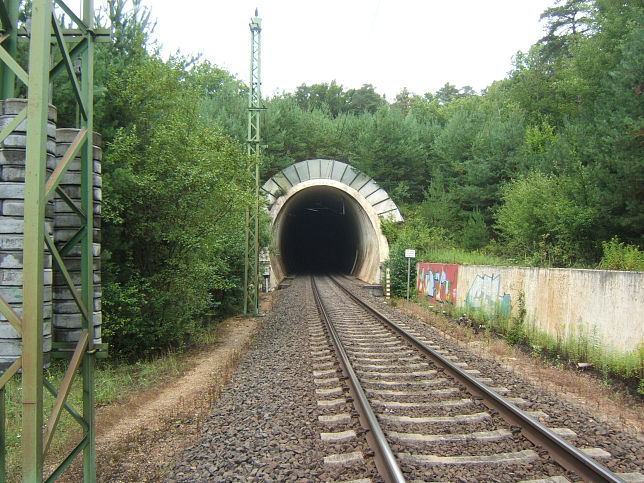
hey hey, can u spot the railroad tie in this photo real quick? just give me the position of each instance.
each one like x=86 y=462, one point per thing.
x=338 y=436
x=517 y=457
x=344 y=458
x=331 y=403
x=341 y=418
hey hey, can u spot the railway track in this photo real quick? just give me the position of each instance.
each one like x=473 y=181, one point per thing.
x=426 y=414
x=289 y=414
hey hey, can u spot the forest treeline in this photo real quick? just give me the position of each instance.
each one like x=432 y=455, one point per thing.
x=544 y=167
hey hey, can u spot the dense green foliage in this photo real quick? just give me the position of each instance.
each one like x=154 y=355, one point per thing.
x=175 y=187
x=544 y=167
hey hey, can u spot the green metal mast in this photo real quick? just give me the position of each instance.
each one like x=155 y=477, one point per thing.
x=45 y=29
x=251 y=266
x=8 y=18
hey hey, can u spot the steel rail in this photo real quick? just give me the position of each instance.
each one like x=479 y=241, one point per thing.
x=384 y=455
x=561 y=451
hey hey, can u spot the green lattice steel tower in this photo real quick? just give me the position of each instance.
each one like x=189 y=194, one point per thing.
x=251 y=267
x=45 y=30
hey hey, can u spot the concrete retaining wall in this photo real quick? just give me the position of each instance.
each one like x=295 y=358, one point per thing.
x=606 y=305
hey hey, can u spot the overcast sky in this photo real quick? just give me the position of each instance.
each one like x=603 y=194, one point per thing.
x=391 y=44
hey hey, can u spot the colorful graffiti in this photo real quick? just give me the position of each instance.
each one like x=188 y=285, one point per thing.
x=437 y=281
x=485 y=294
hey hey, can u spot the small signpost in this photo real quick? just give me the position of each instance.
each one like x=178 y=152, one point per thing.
x=409 y=254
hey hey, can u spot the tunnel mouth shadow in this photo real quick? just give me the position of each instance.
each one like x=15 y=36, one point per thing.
x=319 y=233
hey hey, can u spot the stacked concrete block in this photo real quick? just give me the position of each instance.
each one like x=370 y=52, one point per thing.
x=12 y=189
x=67 y=317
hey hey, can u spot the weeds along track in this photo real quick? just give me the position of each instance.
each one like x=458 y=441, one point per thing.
x=430 y=416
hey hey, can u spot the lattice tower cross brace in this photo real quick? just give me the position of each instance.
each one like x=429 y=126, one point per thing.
x=251 y=272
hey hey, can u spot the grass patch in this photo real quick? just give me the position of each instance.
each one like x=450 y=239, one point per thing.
x=566 y=348
x=618 y=256
x=583 y=347
x=464 y=257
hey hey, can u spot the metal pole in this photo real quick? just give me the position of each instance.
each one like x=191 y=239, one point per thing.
x=251 y=264
x=8 y=86
x=33 y=254
x=408 y=270
x=3 y=439
x=256 y=238
x=87 y=243
x=35 y=199
x=246 y=259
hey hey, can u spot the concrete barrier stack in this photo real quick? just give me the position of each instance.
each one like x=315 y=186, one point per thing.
x=61 y=317
x=12 y=190
x=67 y=317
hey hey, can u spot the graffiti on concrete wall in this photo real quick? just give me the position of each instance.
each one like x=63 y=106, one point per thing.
x=485 y=294
x=437 y=281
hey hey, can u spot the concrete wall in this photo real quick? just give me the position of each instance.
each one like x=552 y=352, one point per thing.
x=601 y=303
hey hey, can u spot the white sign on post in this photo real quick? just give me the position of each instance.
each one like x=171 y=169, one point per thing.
x=410 y=253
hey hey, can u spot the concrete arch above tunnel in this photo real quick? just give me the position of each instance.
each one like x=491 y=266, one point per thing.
x=326 y=218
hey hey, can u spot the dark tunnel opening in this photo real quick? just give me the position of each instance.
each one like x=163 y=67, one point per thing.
x=319 y=232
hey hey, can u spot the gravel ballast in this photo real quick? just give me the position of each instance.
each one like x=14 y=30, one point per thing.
x=268 y=423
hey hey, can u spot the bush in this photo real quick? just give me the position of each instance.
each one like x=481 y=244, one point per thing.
x=124 y=305
x=551 y=219
x=475 y=232
x=516 y=331
x=398 y=264
x=415 y=233
x=618 y=256
x=176 y=188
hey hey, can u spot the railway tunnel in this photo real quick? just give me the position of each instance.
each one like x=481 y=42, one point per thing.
x=325 y=217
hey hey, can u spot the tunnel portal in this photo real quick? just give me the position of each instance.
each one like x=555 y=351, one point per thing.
x=326 y=219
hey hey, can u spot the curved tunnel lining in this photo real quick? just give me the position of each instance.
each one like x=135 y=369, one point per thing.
x=323 y=225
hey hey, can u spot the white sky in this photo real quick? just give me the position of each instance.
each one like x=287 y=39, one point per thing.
x=392 y=44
